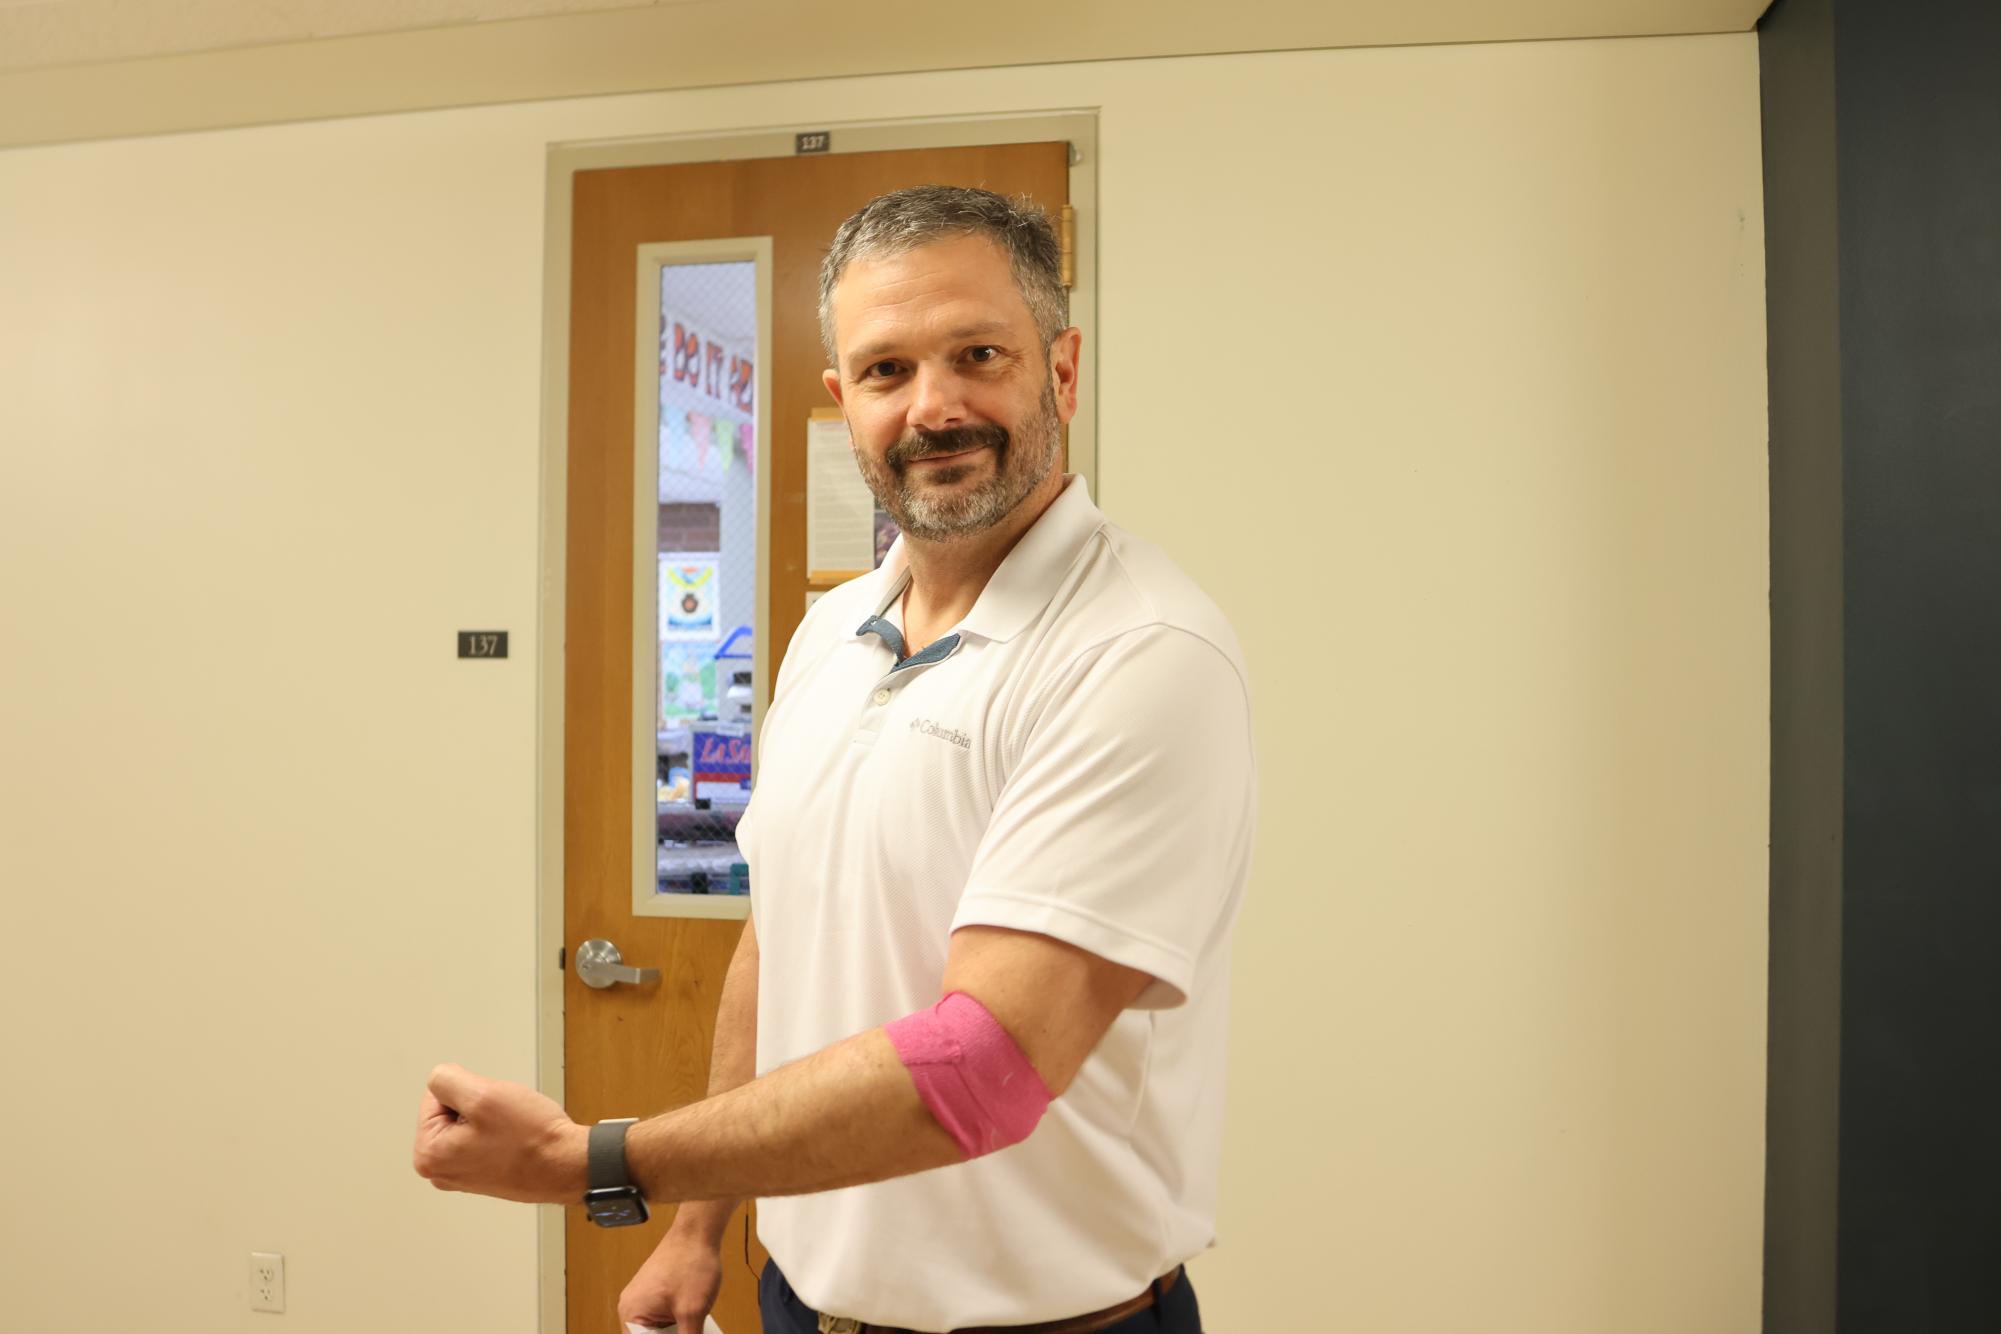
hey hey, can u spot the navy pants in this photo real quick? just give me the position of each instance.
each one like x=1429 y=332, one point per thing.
x=1176 y=1312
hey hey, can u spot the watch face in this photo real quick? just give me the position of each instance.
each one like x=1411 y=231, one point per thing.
x=615 y=1206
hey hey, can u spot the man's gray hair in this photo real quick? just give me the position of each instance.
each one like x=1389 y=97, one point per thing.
x=906 y=219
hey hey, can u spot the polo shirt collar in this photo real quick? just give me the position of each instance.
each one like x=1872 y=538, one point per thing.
x=1026 y=580
x=1030 y=575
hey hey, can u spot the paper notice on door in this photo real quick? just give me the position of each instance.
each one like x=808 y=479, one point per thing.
x=840 y=511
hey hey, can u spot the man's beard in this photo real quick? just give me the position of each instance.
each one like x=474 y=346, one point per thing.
x=1021 y=462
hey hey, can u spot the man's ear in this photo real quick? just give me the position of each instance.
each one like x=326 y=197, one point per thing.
x=832 y=379
x=1064 y=352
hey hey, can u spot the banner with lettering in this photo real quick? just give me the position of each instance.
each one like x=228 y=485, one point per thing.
x=721 y=373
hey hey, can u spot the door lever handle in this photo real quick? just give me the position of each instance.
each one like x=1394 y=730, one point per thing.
x=600 y=965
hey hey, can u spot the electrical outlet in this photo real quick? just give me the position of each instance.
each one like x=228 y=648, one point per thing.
x=267 y=1281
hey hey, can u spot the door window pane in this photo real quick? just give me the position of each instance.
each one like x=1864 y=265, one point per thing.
x=706 y=544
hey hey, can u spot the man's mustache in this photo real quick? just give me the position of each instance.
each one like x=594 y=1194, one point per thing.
x=957 y=440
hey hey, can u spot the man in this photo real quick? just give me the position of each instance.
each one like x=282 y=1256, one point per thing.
x=1010 y=769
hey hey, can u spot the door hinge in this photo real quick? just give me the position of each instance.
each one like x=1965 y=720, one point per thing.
x=562 y=957
x=1066 y=237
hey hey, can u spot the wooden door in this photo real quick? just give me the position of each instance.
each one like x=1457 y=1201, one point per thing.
x=637 y=1051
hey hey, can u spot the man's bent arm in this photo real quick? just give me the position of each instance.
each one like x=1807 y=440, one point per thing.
x=732 y=1063
x=844 y=1116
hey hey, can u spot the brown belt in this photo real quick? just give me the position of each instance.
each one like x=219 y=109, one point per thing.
x=1076 y=1324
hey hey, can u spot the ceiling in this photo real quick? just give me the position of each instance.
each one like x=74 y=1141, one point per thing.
x=39 y=33
x=85 y=69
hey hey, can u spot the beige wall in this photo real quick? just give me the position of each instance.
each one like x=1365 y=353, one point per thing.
x=1441 y=367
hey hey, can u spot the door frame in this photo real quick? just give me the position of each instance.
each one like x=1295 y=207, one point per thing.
x=1079 y=127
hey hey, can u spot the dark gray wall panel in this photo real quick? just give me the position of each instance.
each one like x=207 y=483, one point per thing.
x=1919 y=148
x=1883 y=200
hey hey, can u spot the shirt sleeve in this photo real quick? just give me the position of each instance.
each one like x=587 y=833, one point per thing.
x=1124 y=826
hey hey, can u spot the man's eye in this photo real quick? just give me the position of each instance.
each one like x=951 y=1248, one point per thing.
x=879 y=370
x=982 y=355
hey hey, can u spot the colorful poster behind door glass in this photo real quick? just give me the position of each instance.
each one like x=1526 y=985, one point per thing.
x=721 y=765
x=687 y=683
x=688 y=596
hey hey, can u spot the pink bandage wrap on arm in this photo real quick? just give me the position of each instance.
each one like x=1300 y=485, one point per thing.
x=970 y=1073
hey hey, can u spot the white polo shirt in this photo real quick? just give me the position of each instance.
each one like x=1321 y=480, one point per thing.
x=1073 y=759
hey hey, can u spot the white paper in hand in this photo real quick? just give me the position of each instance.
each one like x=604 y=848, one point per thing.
x=709 y=1326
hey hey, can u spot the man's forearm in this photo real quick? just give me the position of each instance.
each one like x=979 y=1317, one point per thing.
x=844 y=1116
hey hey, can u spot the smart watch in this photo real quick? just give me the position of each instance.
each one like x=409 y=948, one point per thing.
x=612 y=1200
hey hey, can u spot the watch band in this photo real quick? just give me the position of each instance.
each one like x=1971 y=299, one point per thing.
x=605 y=1169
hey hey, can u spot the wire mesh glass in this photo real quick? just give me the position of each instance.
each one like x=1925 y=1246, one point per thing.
x=707 y=548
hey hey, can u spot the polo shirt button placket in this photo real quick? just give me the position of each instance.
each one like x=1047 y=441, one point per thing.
x=882 y=697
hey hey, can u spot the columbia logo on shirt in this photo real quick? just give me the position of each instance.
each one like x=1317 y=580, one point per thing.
x=925 y=727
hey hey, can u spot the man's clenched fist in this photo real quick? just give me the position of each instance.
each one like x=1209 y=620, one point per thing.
x=491 y=1137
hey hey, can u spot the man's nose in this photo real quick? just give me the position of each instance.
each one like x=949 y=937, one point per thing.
x=937 y=402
